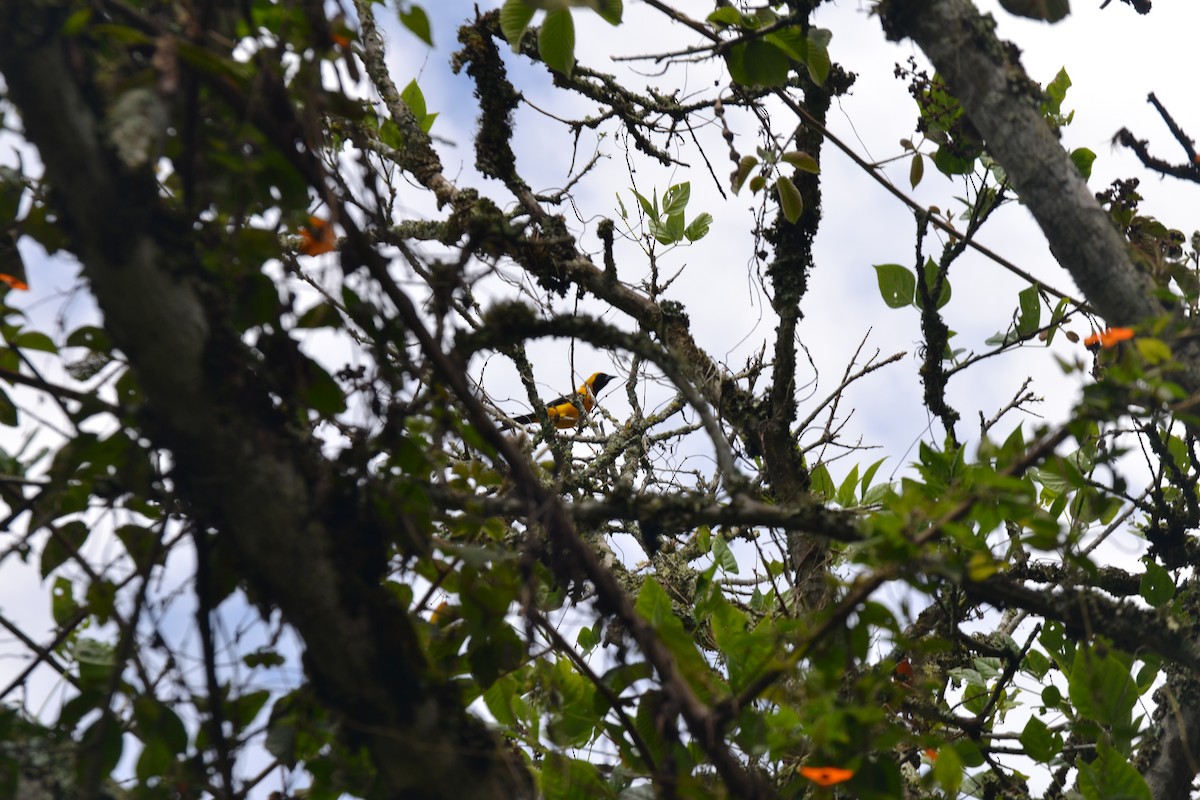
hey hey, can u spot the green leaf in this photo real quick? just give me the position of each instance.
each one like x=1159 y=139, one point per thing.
x=414 y=98
x=123 y=34
x=515 y=16
x=845 y=496
x=1039 y=743
x=669 y=232
x=1148 y=674
x=64 y=542
x=801 y=161
x=648 y=208
x=1083 y=158
x=572 y=723
x=876 y=495
x=241 y=711
x=1030 y=317
x=156 y=720
x=610 y=11
x=821 y=484
x=101 y=599
x=210 y=61
x=818 y=60
x=969 y=752
x=90 y=337
x=34 y=340
x=499 y=699
x=40 y=225
x=948 y=769
x=12 y=187
x=757 y=63
x=564 y=778
x=322 y=315
x=1101 y=687
x=1156 y=586
x=981 y=566
x=744 y=167
x=931 y=271
x=1111 y=776
x=62 y=601
x=1045 y=10
x=723 y=556
x=556 y=41
x=1152 y=350
x=897 y=284
x=77 y=22
x=948 y=163
x=675 y=199
x=320 y=391
x=588 y=638
x=869 y=475
x=154 y=761
x=264 y=657
x=1056 y=92
x=416 y=20
x=724 y=17
x=789 y=199
x=141 y=544
x=8 y=411
x=790 y=40
x=1036 y=664
x=916 y=170
x=99 y=749
x=746 y=651
x=96 y=661
x=389 y=134
x=257 y=301
x=621 y=207
x=698 y=228
x=654 y=606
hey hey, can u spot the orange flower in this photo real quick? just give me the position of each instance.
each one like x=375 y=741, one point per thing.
x=341 y=32
x=827 y=776
x=317 y=237
x=13 y=282
x=1108 y=337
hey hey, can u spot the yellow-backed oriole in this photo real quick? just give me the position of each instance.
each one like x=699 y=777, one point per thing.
x=564 y=411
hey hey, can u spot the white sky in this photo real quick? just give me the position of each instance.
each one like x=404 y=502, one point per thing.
x=1115 y=58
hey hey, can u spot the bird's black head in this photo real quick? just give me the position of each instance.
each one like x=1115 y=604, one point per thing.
x=600 y=381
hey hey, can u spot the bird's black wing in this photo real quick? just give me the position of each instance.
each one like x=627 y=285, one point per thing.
x=525 y=419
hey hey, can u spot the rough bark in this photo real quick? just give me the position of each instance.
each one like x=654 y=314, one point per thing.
x=1173 y=765
x=246 y=472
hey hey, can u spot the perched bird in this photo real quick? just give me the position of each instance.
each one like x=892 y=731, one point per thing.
x=564 y=412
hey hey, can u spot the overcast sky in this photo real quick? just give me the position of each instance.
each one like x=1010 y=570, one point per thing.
x=1114 y=57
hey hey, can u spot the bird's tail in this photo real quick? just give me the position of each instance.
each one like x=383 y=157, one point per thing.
x=512 y=423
